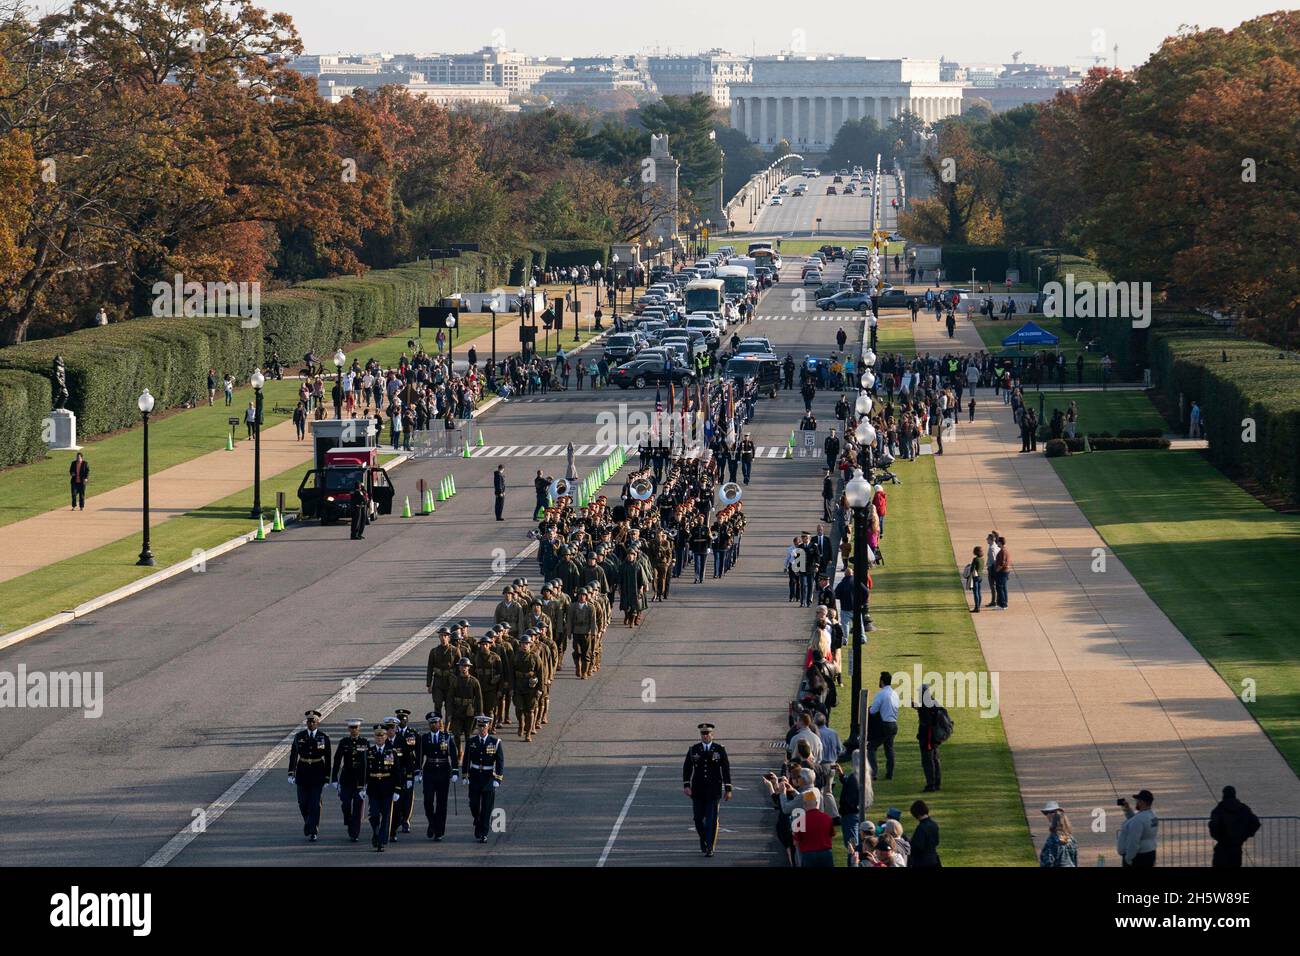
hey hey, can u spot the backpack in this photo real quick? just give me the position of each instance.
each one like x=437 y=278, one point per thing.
x=942 y=725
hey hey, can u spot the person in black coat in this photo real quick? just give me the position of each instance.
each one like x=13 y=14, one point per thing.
x=925 y=839
x=309 y=771
x=1232 y=823
x=78 y=472
x=360 y=511
x=828 y=494
x=706 y=779
x=499 y=490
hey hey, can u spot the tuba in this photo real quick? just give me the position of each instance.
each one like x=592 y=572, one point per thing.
x=559 y=488
x=642 y=489
x=728 y=494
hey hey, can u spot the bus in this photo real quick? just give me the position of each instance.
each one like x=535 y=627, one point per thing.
x=735 y=279
x=760 y=244
x=704 y=295
x=768 y=257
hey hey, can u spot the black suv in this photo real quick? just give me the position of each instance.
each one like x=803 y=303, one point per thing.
x=639 y=373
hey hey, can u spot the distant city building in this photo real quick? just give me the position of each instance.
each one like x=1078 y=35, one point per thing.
x=712 y=73
x=585 y=82
x=506 y=68
x=806 y=99
x=449 y=95
x=1006 y=86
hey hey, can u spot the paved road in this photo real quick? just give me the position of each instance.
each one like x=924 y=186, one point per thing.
x=840 y=215
x=205 y=675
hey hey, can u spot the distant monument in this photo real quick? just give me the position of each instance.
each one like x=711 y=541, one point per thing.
x=661 y=189
x=61 y=430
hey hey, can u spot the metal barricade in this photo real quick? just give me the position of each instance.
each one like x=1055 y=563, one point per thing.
x=1186 y=841
x=440 y=442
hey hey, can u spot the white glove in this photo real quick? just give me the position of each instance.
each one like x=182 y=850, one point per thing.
x=419 y=778
x=363 y=793
x=466 y=781
x=495 y=784
x=410 y=784
x=396 y=797
x=335 y=784
x=292 y=780
x=455 y=778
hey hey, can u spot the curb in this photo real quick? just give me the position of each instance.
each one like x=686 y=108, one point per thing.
x=135 y=587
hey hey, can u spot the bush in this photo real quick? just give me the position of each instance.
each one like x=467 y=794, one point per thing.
x=1140 y=433
x=1126 y=444
x=1256 y=383
x=25 y=400
x=1057 y=448
x=989 y=263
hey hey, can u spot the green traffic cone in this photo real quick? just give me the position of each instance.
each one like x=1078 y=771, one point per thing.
x=261 y=529
x=442 y=490
x=452 y=479
x=466 y=453
x=428 y=495
x=278 y=523
x=406 y=507
x=230 y=442
x=791 y=442
x=789 y=451
x=480 y=438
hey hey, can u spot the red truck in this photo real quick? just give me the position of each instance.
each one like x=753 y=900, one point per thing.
x=326 y=493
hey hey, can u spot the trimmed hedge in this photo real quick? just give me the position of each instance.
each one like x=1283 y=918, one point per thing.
x=573 y=252
x=1258 y=382
x=1056 y=448
x=1100 y=443
x=108 y=367
x=989 y=262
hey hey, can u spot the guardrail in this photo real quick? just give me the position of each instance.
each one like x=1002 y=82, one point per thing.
x=1186 y=841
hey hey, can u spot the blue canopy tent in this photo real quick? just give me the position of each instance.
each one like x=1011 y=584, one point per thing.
x=1031 y=333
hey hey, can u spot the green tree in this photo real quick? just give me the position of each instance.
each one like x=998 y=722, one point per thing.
x=688 y=121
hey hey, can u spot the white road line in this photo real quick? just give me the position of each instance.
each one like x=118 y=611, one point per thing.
x=489 y=450
x=554 y=449
x=618 y=824
x=280 y=751
x=526 y=451
x=581 y=450
x=505 y=452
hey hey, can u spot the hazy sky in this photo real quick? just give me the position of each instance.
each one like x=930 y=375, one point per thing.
x=1047 y=31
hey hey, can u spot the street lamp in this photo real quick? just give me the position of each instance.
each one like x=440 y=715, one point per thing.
x=577 y=309
x=257 y=380
x=857 y=493
x=145 y=404
x=868 y=379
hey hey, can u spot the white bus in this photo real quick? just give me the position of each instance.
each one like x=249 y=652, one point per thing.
x=704 y=295
x=735 y=278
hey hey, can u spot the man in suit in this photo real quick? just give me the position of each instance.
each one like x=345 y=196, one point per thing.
x=499 y=490
x=811 y=560
x=309 y=769
x=925 y=839
x=832 y=449
x=706 y=779
x=78 y=472
x=828 y=494
x=824 y=550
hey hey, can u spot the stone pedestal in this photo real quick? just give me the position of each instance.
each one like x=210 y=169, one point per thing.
x=62 y=434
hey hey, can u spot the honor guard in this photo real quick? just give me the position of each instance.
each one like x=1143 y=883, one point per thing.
x=383 y=772
x=439 y=769
x=706 y=779
x=407 y=741
x=441 y=666
x=309 y=769
x=348 y=776
x=483 y=766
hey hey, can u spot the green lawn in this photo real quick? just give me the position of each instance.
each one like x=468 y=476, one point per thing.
x=62 y=586
x=1217 y=562
x=921 y=615
x=1101 y=411
x=993 y=331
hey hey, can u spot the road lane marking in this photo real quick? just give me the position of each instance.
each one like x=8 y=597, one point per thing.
x=277 y=754
x=622 y=815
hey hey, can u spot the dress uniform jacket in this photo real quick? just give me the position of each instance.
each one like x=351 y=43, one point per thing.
x=349 y=768
x=707 y=772
x=309 y=758
x=439 y=754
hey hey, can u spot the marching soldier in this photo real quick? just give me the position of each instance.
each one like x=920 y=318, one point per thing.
x=349 y=777
x=466 y=701
x=460 y=637
x=529 y=682
x=383 y=771
x=490 y=674
x=661 y=559
x=309 y=769
x=706 y=779
x=439 y=769
x=558 y=608
x=483 y=767
x=504 y=648
x=582 y=623
x=506 y=610
x=407 y=741
x=442 y=664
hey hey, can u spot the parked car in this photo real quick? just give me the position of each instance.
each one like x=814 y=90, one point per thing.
x=620 y=347
x=813 y=278
x=895 y=299
x=846 y=300
x=830 y=288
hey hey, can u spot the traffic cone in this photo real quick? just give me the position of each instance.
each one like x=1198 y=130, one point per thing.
x=230 y=442
x=791 y=442
x=442 y=490
x=480 y=438
x=278 y=523
x=466 y=454
x=425 y=502
x=789 y=451
x=428 y=493
x=261 y=529
x=452 y=479
x=406 y=507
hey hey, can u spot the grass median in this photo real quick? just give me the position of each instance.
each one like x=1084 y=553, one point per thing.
x=1100 y=411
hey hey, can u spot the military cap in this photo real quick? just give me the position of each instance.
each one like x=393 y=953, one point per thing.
x=312 y=715
x=462 y=623
x=508 y=589
x=402 y=712
x=705 y=727
x=433 y=717
x=380 y=727
x=536 y=603
x=390 y=719
x=517 y=581
x=485 y=639
x=525 y=637
x=463 y=662
x=481 y=720
x=354 y=722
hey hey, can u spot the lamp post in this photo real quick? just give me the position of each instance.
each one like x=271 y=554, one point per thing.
x=613 y=280
x=857 y=493
x=600 y=287
x=145 y=404
x=339 y=359
x=577 y=309
x=257 y=380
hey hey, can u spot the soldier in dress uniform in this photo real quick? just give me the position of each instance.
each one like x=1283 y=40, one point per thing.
x=439 y=769
x=348 y=776
x=483 y=767
x=309 y=770
x=383 y=773
x=407 y=740
x=441 y=666
x=706 y=779
x=466 y=701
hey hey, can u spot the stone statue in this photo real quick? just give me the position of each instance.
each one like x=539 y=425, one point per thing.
x=60 y=383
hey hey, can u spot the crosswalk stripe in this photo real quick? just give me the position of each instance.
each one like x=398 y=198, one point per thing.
x=581 y=449
x=505 y=452
x=525 y=451
x=552 y=450
x=480 y=452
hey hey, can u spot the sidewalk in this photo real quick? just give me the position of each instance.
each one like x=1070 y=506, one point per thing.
x=1100 y=694
x=55 y=536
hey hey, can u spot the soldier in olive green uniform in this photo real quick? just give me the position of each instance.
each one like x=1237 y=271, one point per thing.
x=465 y=701
x=529 y=677
x=441 y=667
x=661 y=558
x=490 y=673
x=582 y=624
